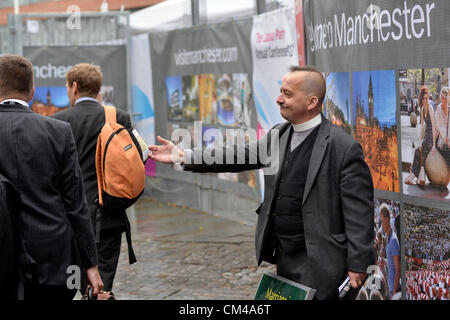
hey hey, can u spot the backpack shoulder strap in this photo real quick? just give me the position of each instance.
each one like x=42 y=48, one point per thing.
x=110 y=114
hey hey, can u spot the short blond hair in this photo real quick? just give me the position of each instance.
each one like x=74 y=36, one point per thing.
x=88 y=77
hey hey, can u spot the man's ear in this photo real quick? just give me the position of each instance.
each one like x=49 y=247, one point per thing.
x=75 y=87
x=32 y=94
x=313 y=102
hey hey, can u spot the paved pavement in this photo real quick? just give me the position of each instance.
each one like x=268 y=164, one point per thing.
x=187 y=254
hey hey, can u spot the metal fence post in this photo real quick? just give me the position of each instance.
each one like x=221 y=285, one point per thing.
x=128 y=50
x=260 y=6
x=195 y=12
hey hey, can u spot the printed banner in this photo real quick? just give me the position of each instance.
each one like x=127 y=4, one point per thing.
x=274 y=50
x=388 y=61
x=52 y=63
x=204 y=76
x=300 y=32
x=142 y=94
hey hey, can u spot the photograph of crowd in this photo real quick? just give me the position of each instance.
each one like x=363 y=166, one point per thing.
x=425 y=132
x=224 y=101
x=427 y=250
x=375 y=125
x=385 y=280
x=242 y=95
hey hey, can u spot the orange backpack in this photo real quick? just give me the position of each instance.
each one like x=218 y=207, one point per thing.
x=119 y=165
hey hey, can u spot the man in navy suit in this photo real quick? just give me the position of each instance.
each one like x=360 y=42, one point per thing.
x=39 y=157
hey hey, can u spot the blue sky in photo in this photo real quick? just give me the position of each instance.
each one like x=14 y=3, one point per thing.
x=58 y=95
x=342 y=91
x=173 y=84
x=384 y=94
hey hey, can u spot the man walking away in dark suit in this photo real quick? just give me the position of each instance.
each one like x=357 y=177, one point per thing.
x=87 y=117
x=38 y=156
x=9 y=244
x=316 y=219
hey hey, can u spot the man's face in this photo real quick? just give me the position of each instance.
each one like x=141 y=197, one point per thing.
x=295 y=105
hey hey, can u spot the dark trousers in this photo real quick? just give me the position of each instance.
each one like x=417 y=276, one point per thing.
x=108 y=251
x=8 y=287
x=108 y=255
x=42 y=292
x=445 y=152
x=420 y=157
x=294 y=266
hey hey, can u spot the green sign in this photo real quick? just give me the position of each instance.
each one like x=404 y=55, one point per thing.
x=273 y=287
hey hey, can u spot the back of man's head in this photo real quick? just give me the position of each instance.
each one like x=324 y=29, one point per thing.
x=88 y=77
x=16 y=77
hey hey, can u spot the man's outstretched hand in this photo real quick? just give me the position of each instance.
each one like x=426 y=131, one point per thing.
x=166 y=153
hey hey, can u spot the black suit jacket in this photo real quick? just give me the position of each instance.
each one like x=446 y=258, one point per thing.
x=9 y=214
x=38 y=155
x=337 y=201
x=86 y=119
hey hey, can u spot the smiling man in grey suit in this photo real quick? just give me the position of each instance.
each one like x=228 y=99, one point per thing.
x=38 y=156
x=316 y=220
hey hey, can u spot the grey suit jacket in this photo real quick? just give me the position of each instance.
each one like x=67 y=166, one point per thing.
x=39 y=157
x=337 y=201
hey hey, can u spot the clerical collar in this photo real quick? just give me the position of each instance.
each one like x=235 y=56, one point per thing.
x=12 y=101
x=314 y=122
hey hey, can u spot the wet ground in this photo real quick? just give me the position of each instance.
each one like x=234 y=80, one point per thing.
x=187 y=254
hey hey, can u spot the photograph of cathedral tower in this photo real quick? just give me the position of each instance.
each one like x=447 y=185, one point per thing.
x=375 y=126
x=49 y=100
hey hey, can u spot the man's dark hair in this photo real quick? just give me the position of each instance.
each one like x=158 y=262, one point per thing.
x=316 y=86
x=16 y=75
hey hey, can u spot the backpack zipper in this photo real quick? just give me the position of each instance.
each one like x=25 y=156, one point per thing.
x=106 y=147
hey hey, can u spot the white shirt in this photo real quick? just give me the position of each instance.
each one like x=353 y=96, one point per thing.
x=25 y=104
x=85 y=99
